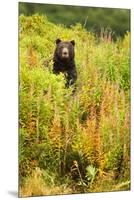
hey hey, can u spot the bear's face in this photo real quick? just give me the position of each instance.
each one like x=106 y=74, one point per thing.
x=64 y=50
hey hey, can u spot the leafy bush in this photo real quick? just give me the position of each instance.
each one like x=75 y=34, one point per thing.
x=57 y=127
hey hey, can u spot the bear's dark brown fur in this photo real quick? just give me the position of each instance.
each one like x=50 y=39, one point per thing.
x=64 y=60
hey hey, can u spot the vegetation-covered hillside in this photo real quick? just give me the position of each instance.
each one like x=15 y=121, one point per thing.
x=92 y=18
x=73 y=143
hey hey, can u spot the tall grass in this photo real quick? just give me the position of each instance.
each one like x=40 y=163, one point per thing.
x=57 y=129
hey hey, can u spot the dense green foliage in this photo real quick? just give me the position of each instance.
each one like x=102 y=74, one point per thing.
x=93 y=19
x=73 y=143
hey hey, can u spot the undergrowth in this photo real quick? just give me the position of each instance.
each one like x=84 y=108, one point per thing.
x=73 y=143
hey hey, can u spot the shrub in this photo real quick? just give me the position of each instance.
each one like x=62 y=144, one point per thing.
x=57 y=128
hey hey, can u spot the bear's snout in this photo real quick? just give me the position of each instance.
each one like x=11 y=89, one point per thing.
x=65 y=53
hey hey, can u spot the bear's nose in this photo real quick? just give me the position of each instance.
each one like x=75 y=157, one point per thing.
x=65 y=53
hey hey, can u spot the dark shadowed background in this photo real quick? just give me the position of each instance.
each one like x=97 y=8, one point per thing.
x=93 y=19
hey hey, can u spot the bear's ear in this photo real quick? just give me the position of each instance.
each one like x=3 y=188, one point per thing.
x=58 y=41
x=72 y=42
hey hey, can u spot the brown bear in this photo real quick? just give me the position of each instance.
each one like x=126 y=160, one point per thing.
x=64 y=60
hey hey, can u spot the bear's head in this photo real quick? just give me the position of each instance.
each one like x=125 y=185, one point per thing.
x=64 y=50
